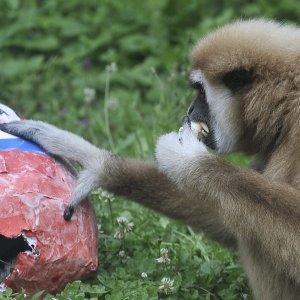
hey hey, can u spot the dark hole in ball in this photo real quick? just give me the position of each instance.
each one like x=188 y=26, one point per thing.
x=9 y=250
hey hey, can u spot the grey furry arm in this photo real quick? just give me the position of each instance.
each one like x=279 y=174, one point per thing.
x=137 y=180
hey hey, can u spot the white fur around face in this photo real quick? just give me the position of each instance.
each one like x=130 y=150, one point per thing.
x=196 y=77
x=176 y=151
x=220 y=102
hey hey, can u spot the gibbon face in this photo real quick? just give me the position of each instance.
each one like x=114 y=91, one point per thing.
x=242 y=75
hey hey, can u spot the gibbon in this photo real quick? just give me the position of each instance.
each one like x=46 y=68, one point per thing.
x=247 y=78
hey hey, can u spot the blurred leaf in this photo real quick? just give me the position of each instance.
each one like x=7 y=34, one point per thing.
x=20 y=67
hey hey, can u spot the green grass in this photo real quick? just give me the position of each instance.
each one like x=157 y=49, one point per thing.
x=133 y=56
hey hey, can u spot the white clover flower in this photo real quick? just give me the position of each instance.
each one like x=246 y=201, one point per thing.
x=129 y=227
x=112 y=68
x=112 y=103
x=164 y=251
x=122 y=254
x=125 y=224
x=2 y=287
x=164 y=259
x=166 y=286
x=120 y=235
x=105 y=196
x=144 y=275
x=89 y=94
x=124 y=227
x=99 y=227
x=122 y=220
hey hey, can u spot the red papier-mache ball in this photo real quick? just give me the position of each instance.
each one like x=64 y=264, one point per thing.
x=39 y=250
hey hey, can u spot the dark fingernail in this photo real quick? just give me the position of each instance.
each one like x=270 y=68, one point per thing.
x=68 y=213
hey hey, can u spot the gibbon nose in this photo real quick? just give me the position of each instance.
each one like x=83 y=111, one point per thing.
x=191 y=108
x=199 y=110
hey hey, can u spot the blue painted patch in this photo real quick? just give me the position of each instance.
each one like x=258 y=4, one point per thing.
x=20 y=144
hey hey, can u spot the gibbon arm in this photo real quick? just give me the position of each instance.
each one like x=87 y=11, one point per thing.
x=137 y=180
x=144 y=183
x=261 y=213
x=264 y=214
x=227 y=202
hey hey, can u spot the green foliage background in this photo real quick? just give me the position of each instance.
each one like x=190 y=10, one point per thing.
x=135 y=55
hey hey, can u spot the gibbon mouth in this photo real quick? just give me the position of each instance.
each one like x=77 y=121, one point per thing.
x=202 y=131
x=199 y=128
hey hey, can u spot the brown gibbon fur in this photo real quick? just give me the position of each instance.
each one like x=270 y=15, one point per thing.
x=247 y=76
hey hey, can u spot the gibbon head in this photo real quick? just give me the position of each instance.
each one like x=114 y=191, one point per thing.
x=247 y=78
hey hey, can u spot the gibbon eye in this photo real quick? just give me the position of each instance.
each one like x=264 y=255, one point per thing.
x=237 y=79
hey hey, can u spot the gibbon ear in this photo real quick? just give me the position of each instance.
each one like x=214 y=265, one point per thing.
x=237 y=79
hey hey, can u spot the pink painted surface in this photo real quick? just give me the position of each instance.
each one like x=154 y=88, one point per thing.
x=34 y=191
